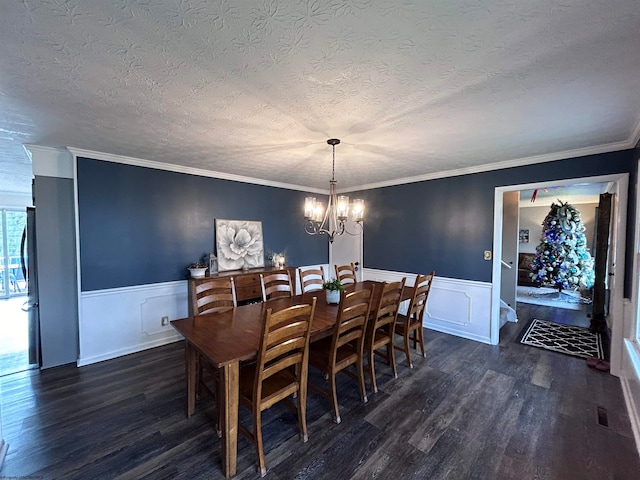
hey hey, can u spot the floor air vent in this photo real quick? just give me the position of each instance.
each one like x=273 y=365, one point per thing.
x=603 y=418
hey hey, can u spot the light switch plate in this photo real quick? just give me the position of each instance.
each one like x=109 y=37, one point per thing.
x=487 y=254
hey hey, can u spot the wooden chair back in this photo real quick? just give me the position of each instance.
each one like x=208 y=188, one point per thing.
x=276 y=285
x=213 y=295
x=411 y=323
x=380 y=332
x=346 y=273
x=345 y=347
x=311 y=279
x=284 y=346
x=280 y=370
x=351 y=324
x=418 y=303
x=387 y=306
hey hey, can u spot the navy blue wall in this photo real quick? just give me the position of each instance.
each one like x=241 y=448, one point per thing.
x=140 y=225
x=446 y=224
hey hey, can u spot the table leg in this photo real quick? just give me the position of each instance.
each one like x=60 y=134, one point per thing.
x=229 y=377
x=190 y=361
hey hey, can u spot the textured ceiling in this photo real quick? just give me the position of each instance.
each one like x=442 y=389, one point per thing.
x=246 y=87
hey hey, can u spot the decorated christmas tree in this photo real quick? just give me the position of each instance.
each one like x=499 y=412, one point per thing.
x=562 y=260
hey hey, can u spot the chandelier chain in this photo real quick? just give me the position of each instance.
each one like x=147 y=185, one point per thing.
x=333 y=172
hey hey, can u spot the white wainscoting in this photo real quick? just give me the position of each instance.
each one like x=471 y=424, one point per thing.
x=120 y=321
x=630 y=371
x=630 y=381
x=457 y=307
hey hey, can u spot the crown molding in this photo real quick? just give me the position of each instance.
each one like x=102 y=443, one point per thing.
x=50 y=161
x=630 y=143
x=548 y=157
x=139 y=162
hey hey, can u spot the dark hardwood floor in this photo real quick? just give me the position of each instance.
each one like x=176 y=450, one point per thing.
x=467 y=411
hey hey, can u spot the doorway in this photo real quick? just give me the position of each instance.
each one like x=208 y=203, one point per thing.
x=14 y=326
x=347 y=248
x=536 y=227
x=618 y=184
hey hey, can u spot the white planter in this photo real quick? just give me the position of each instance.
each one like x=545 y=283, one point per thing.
x=197 y=272
x=333 y=296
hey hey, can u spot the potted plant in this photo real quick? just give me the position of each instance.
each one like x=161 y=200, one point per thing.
x=197 y=269
x=333 y=288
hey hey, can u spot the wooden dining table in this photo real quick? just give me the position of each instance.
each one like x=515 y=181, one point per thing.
x=227 y=338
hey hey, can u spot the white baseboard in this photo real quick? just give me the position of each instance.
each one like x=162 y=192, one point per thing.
x=126 y=351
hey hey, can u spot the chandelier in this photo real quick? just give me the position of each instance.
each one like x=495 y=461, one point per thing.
x=332 y=221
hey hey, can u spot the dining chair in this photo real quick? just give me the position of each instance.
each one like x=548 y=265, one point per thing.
x=412 y=321
x=346 y=273
x=280 y=371
x=275 y=285
x=212 y=295
x=334 y=354
x=380 y=332
x=311 y=279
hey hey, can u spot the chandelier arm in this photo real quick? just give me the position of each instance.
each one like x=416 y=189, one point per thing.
x=359 y=228
x=310 y=227
x=314 y=228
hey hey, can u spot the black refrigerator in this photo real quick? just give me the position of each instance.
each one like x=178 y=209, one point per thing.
x=28 y=256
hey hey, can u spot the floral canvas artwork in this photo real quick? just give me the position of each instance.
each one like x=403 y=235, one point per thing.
x=239 y=244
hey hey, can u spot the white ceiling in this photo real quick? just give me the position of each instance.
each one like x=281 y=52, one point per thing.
x=255 y=88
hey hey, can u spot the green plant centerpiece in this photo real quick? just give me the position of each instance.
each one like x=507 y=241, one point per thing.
x=332 y=290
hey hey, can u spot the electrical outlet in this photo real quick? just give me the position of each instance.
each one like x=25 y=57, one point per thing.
x=164 y=321
x=487 y=254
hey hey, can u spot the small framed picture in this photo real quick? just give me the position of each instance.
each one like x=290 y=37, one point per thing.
x=524 y=236
x=213 y=264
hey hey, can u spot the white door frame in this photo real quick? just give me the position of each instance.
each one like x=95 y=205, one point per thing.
x=620 y=184
x=355 y=243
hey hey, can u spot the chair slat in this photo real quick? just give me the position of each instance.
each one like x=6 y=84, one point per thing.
x=311 y=279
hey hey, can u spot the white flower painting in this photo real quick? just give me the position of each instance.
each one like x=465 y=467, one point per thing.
x=239 y=244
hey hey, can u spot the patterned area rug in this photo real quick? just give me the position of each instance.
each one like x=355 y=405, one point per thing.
x=576 y=341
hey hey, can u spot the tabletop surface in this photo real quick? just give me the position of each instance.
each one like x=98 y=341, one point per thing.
x=234 y=335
